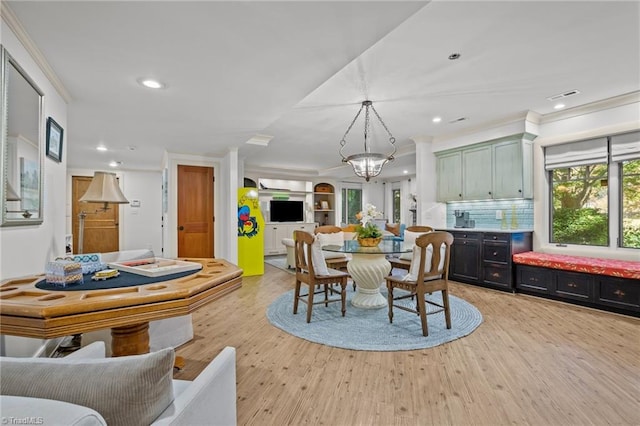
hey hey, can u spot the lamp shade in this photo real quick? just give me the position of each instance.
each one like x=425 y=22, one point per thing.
x=11 y=194
x=104 y=189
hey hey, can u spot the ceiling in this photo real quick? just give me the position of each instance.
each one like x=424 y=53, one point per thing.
x=297 y=72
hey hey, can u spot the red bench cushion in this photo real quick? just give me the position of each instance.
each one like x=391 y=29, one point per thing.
x=589 y=265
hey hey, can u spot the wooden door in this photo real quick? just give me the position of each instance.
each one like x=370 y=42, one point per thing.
x=195 y=211
x=101 y=230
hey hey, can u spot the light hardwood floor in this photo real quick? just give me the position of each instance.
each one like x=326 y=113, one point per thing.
x=531 y=362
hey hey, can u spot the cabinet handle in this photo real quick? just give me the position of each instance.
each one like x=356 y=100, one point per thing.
x=495 y=253
x=495 y=275
x=520 y=190
x=495 y=238
x=180 y=228
x=535 y=280
x=572 y=285
x=489 y=192
x=460 y=195
x=464 y=243
x=619 y=293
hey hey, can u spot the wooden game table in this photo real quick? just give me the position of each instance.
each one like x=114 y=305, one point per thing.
x=28 y=311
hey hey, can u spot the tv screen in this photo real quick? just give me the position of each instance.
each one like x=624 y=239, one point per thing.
x=286 y=211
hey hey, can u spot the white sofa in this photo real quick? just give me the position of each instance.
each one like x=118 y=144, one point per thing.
x=209 y=399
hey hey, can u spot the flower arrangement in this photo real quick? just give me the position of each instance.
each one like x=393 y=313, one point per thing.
x=368 y=229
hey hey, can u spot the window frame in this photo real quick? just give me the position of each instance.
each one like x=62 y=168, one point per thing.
x=396 y=211
x=620 y=203
x=551 y=208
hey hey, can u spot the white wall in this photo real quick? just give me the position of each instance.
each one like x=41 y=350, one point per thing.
x=25 y=250
x=142 y=226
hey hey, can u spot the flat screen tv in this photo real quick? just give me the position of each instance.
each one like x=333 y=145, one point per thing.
x=286 y=211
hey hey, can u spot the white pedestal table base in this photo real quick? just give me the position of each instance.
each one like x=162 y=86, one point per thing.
x=368 y=271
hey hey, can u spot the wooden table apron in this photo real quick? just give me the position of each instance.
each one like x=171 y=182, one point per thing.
x=30 y=312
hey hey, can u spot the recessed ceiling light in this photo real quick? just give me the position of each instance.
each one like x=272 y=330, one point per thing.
x=436 y=119
x=454 y=56
x=151 y=83
x=115 y=163
x=559 y=106
x=101 y=148
x=405 y=171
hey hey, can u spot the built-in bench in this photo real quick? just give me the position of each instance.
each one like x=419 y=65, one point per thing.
x=608 y=284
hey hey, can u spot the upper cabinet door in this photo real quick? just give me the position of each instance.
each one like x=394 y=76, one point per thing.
x=512 y=169
x=477 y=173
x=449 y=177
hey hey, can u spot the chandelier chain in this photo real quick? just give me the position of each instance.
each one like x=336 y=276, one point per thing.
x=343 y=141
x=391 y=138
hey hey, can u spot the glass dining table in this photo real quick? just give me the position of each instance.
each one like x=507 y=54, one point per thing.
x=368 y=267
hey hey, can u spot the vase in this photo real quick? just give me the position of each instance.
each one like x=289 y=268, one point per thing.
x=369 y=242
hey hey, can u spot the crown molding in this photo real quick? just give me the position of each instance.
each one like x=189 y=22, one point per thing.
x=493 y=124
x=614 y=102
x=21 y=33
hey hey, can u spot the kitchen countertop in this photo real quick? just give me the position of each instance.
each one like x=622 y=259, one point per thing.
x=497 y=230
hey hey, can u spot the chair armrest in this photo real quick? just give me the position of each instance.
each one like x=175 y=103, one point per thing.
x=210 y=399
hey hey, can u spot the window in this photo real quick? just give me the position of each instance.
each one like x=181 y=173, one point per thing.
x=395 y=194
x=595 y=191
x=351 y=204
x=630 y=202
x=580 y=200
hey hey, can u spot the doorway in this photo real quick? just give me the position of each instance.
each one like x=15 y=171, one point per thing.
x=101 y=229
x=195 y=211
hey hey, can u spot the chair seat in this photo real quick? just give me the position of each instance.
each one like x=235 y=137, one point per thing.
x=339 y=263
x=400 y=263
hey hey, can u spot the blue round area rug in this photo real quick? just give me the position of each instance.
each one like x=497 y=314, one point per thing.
x=369 y=329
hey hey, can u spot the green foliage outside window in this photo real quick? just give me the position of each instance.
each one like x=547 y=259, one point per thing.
x=580 y=205
x=351 y=204
x=396 y=206
x=631 y=204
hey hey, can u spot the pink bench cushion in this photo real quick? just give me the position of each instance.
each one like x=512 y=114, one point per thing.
x=589 y=265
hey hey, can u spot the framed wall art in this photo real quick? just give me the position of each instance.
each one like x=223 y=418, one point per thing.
x=54 y=140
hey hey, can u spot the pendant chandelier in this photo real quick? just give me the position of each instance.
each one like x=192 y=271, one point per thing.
x=367 y=164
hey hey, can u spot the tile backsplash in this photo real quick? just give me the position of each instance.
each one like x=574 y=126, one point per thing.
x=484 y=213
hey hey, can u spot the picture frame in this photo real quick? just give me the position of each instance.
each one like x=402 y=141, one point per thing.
x=325 y=205
x=55 y=134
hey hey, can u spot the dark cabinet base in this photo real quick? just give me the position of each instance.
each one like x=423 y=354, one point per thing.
x=620 y=295
x=484 y=258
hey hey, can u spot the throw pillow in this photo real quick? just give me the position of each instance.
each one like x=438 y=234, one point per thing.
x=415 y=261
x=125 y=390
x=394 y=228
x=317 y=257
x=409 y=240
x=332 y=239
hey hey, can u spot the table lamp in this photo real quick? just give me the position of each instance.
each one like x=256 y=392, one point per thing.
x=102 y=189
x=13 y=196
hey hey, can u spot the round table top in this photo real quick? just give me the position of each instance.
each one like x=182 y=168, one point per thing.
x=385 y=247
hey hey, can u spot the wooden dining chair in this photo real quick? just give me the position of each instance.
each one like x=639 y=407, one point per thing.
x=318 y=278
x=429 y=273
x=340 y=260
x=402 y=262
